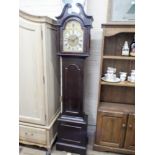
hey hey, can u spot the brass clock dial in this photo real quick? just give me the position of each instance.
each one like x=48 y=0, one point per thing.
x=73 y=37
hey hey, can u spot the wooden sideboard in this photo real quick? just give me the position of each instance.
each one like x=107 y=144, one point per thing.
x=115 y=130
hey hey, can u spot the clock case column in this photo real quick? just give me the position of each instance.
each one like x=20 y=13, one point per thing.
x=72 y=123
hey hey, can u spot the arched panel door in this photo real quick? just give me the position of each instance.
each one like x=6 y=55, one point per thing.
x=72 y=86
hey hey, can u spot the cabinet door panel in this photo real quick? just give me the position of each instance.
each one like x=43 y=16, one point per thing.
x=130 y=134
x=31 y=87
x=111 y=129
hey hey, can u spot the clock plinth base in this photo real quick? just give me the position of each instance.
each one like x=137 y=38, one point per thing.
x=72 y=134
x=71 y=148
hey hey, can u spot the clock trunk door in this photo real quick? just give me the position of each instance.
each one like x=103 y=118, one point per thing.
x=73 y=86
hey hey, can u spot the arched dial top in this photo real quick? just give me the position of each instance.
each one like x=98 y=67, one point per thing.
x=73 y=36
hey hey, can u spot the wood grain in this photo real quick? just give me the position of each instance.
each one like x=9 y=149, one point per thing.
x=118 y=57
x=109 y=128
x=130 y=133
x=121 y=84
x=124 y=95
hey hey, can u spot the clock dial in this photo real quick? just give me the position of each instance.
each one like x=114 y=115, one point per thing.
x=73 y=37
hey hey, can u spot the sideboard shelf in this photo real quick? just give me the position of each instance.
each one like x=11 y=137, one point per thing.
x=121 y=84
x=118 y=57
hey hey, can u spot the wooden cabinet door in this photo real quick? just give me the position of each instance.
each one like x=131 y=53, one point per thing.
x=31 y=86
x=130 y=133
x=111 y=129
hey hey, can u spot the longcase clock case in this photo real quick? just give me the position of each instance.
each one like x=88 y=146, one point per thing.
x=72 y=123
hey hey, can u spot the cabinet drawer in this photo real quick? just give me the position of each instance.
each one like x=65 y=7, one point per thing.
x=33 y=135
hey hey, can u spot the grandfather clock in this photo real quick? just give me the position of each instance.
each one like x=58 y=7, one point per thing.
x=74 y=45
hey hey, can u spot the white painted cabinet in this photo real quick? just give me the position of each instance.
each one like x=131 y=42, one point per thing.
x=39 y=103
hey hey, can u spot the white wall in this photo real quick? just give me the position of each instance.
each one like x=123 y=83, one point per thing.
x=51 y=8
x=98 y=9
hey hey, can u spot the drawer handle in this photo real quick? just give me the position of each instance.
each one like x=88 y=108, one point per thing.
x=123 y=125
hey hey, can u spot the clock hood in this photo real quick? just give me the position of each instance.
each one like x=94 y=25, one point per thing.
x=87 y=20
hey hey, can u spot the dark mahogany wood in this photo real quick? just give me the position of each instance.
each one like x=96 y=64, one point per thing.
x=87 y=20
x=72 y=134
x=72 y=123
x=73 y=86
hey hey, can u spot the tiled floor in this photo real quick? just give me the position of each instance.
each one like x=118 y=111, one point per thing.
x=30 y=151
x=33 y=151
